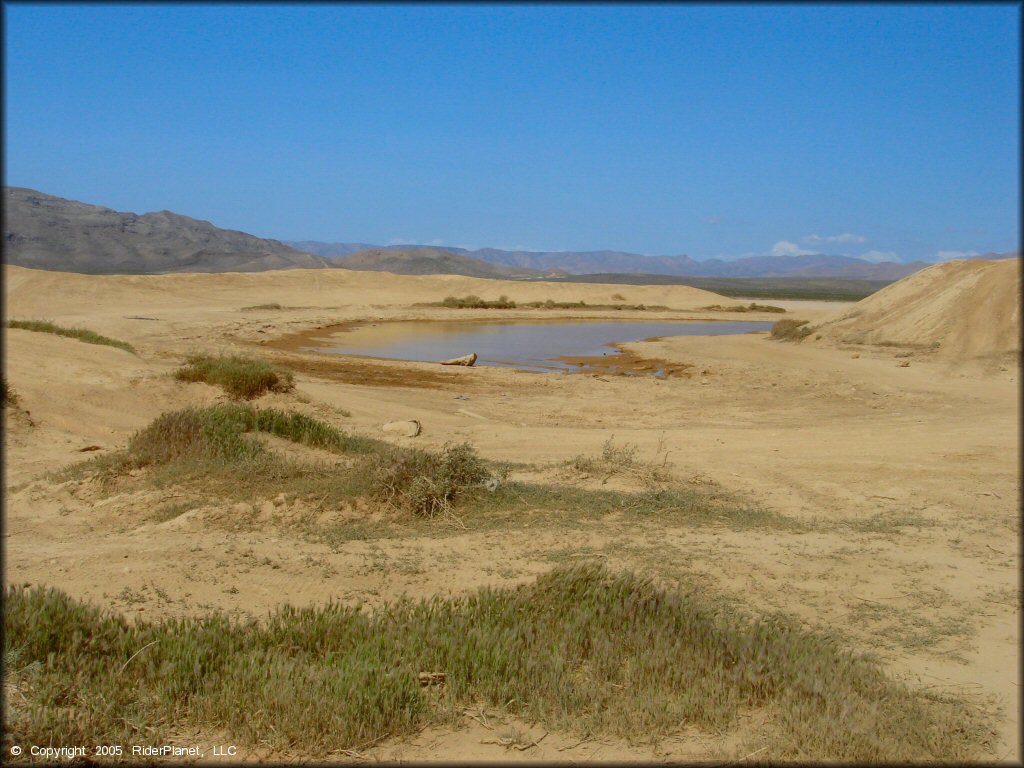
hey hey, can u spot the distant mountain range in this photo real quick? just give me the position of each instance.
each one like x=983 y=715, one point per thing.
x=47 y=232
x=622 y=262
x=431 y=261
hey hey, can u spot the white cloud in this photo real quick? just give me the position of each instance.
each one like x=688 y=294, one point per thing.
x=878 y=257
x=409 y=241
x=846 y=237
x=947 y=255
x=786 y=248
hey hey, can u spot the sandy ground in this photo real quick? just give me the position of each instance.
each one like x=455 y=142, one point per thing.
x=909 y=461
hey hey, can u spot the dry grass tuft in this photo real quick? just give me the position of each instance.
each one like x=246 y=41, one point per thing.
x=426 y=483
x=622 y=460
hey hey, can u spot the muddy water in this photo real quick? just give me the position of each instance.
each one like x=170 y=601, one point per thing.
x=527 y=345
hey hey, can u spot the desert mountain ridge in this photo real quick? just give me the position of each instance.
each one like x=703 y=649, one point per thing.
x=623 y=262
x=47 y=232
x=431 y=261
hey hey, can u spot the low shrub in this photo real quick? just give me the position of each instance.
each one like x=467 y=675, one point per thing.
x=243 y=378
x=790 y=330
x=426 y=483
x=89 y=337
x=254 y=307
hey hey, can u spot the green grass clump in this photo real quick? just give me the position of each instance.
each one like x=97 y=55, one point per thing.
x=10 y=396
x=218 y=433
x=89 y=337
x=243 y=378
x=790 y=330
x=424 y=482
x=580 y=650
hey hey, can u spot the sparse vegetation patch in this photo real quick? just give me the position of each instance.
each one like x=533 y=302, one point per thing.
x=503 y=302
x=243 y=378
x=751 y=307
x=580 y=649
x=271 y=306
x=209 y=450
x=89 y=337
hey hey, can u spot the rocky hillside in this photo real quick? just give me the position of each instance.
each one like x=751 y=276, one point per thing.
x=47 y=232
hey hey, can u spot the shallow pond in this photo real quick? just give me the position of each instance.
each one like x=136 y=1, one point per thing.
x=526 y=344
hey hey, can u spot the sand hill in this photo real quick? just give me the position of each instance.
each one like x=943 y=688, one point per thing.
x=29 y=293
x=963 y=309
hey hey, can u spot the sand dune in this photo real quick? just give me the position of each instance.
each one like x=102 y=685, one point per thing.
x=31 y=292
x=963 y=309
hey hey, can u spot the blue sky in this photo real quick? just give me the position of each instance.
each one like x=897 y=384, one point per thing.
x=882 y=131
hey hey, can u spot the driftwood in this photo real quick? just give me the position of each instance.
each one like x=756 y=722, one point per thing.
x=467 y=360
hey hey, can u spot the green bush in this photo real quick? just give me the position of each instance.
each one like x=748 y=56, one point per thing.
x=243 y=378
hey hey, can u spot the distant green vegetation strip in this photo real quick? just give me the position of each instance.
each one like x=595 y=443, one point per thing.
x=580 y=650
x=751 y=307
x=811 y=288
x=243 y=378
x=503 y=302
x=89 y=337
